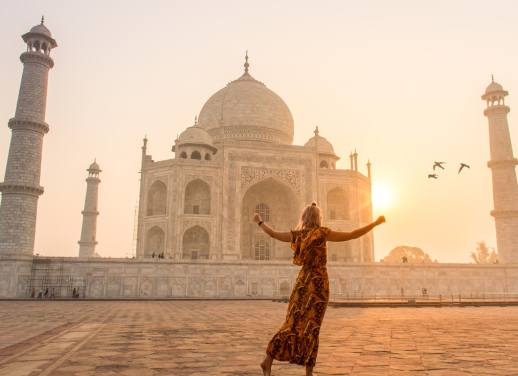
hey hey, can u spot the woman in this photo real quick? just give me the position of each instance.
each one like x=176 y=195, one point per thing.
x=297 y=339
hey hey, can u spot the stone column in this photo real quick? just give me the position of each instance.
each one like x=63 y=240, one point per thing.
x=502 y=165
x=21 y=187
x=89 y=229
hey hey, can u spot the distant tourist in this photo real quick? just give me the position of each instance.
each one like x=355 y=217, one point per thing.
x=74 y=293
x=46 y=294
x=297 y=340
x=153 y=255
x=33 y=292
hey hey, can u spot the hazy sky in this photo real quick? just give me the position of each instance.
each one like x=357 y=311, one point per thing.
x=400 y=81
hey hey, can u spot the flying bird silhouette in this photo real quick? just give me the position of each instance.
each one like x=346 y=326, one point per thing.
x=438 y=164
x=462 y=165
x=432 y=176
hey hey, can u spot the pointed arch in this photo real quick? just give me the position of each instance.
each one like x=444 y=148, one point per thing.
x=197 y=197
x=195 y=243
x=283 y=211
x=337 y=204
x=155 y=242
x=157 y=199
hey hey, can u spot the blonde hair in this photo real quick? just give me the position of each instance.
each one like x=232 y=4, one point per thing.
x=311 y=217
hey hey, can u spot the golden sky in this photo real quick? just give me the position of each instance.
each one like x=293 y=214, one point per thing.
x=400 y=81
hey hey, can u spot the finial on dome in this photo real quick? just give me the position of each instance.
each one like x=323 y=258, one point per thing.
x=316 y=131
x=246 y=65
x=492 y=78
x=42 y=19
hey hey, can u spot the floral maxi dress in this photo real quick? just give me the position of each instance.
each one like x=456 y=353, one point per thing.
x=297 y=339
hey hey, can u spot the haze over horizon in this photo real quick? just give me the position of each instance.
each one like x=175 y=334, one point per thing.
x=400 y=82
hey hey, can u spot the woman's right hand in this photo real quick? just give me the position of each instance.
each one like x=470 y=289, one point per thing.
x=380 y=220
x=257 y=218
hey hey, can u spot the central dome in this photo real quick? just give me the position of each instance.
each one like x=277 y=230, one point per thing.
x=246 y=109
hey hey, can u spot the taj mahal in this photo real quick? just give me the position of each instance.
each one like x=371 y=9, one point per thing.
x=195 y=234
x=237 y=159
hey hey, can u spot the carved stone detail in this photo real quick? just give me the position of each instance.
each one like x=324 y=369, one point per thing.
x=252 y=175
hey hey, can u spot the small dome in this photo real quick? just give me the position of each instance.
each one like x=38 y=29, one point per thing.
x=94 y=167
x=324 y=146
x=494 y=87
x=195 y=135
x=41 y=29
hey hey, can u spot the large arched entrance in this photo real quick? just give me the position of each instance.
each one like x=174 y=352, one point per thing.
x=279 y=206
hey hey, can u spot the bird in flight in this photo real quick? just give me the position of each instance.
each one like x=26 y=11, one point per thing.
x=438 y=164
x=462 y=165
x=432 y=176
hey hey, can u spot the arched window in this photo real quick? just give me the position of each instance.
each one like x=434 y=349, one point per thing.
x=195 y=155
x=264 y=211
x=323 y=164
x=197 y=197
x=207 y=157
x=337 y=206
x=195 y=243
x=262 y=249
x=155 y=244
x=183 y=155
x=157 y=198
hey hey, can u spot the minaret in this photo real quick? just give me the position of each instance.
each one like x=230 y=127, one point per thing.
x=502 y=165
x=140 y=225
x=21 y=187
x=88 y=230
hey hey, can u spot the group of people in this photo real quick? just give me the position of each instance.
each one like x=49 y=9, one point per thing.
x=158 y=256
x=50 y=293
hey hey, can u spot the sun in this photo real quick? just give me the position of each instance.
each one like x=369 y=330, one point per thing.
x=383 y=196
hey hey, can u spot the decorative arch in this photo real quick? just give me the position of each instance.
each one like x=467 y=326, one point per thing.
x=195 y=155
x=324 y=164
x=197 y=197
x=183 y=155
x=283 y=207
x=155 y=242
x=195 y=244
x=207 y=157
x=157 y=199
x=337 y=204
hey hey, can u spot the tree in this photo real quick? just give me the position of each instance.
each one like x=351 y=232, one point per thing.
x=407 y=254
x=484 y=255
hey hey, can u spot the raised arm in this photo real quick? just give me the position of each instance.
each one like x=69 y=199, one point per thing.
x=282 y=236
x=339 y=236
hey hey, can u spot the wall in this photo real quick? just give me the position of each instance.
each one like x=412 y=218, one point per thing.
x=132 y=278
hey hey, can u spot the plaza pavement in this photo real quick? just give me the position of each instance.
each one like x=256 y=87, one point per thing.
x=132 y=338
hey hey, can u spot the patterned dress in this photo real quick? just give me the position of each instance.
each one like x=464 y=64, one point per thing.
x=297 y=339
